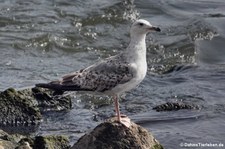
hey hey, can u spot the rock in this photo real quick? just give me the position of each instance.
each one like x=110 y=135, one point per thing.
x=16 y=141
x=49 y=102
x=18 y=108
x=24 y=107
x=7 y=145
x=113 y=135
x=51 y=142
x=8 y=141
x=174 y=106
x=24 y=145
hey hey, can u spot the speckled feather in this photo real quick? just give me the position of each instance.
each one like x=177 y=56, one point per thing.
x=99 y=77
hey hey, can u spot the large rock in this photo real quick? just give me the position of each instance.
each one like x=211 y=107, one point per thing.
x=113 y=135
x=18 y=108
x=47 y=101
x=174 y=106
x=8 y=141
x=16 y=141
x=24 y=107
x=51 y=142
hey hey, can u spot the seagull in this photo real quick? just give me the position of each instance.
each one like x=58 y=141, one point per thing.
x=114 y=75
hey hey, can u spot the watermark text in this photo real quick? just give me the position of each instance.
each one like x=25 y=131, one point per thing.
x=199 y=144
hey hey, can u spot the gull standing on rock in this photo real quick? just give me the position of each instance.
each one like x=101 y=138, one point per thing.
x=114 y=75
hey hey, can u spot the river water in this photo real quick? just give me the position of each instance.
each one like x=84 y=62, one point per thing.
x=42 y=40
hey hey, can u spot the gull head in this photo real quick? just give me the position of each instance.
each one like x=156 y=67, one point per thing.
x=142 y=27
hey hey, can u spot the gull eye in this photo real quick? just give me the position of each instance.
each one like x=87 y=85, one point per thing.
x=141 y=24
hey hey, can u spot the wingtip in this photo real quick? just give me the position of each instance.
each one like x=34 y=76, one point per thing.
x=43 y=85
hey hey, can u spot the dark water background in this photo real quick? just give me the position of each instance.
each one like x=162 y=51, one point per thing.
x=42 y=40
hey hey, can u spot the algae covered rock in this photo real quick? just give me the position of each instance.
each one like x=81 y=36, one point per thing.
x=47 y=101
x=24 y=145
x=51 y=142
x=8 y=141
x=16 y=141
x=24 y=107
x=18 y=108
x=113 y=135
x=174 y=106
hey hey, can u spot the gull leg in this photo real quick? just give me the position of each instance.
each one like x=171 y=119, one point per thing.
x=124 y=119
x=116 y=103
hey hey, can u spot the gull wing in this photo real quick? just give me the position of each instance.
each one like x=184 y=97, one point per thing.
x=99 y=77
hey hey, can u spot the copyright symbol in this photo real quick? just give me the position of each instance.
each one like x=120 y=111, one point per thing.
x=181 y=144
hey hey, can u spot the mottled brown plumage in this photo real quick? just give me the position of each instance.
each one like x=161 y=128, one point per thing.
x=114 y=75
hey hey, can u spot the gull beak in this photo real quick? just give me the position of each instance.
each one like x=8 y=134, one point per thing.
x=154 y=28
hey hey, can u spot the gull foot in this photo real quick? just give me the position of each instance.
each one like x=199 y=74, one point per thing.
x=125 y=121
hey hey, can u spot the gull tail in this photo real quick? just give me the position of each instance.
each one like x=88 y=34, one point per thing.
x=58 y=89
x=48 y=85
x=55 y=85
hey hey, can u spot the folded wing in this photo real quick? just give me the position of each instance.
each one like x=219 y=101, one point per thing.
x=99 y=77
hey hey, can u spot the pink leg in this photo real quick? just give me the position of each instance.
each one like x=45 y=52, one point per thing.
x=117 y=107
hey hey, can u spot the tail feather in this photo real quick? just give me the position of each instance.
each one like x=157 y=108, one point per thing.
x=54 y=87
x=61 y=87
x=48 y=85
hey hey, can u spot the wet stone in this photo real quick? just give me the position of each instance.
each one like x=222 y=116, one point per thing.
x=174 y=106
x=24 y=107
x=18 y=107
x=16 y=141
x=113 y=135
x=47 y=101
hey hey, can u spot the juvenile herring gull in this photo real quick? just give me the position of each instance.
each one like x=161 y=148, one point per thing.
x=114 y=75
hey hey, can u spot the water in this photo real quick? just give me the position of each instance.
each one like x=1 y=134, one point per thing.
x=42 y=40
